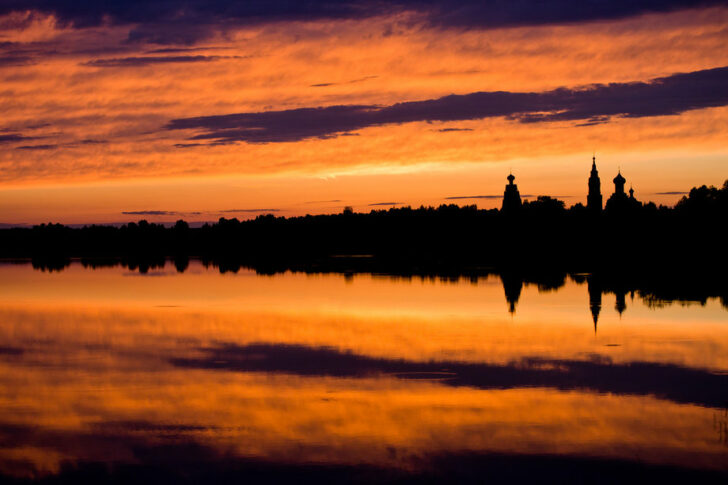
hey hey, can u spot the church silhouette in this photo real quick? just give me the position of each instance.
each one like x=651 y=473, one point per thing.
x=618 y=202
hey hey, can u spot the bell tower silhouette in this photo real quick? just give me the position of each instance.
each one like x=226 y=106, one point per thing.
x=594 y=199
x=511 y=197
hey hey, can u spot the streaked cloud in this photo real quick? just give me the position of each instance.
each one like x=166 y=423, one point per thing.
x=448 y=130
x=36 y=147
x=194 y=213
x=249 y=210
x=353 y=81
x=150 y=60
x=662 y=96
x=151 y=213
x=459 y=197
x=15 y=60
x=179 y=50
x=14 y=137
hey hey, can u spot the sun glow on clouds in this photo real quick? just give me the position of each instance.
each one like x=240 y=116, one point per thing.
x=86 y=105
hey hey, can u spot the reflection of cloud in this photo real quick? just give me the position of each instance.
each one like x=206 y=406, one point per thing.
x=109 y=450
x=663 y=96
x=447 y=130
x=668 y=381
x=671 y=193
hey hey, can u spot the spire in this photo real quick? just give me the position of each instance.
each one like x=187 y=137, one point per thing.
x=594 y=198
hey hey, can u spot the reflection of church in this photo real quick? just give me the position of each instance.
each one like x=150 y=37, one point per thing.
x=513 y=284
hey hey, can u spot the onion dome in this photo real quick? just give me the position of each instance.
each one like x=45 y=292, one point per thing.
x=619 y=179
x=511 y=178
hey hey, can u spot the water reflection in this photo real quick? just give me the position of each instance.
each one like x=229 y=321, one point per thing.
x=332 y=377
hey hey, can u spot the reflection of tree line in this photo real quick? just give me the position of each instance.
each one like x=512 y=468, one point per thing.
x=653 y=289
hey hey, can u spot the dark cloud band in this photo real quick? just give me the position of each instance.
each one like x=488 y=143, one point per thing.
x=186 y=21
x=670 y=95
x=150 y=60
x=195 y=213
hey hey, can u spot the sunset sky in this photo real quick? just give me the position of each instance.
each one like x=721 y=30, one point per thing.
x=123 y=110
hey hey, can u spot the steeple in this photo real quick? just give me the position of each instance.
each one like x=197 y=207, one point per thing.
x=594 y=198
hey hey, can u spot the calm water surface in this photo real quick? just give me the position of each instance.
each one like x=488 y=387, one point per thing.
x=120 y=369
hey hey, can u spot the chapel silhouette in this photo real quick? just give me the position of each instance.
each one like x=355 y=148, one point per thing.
x=618 y=202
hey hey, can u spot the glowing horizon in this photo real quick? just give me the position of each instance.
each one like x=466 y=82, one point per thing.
x=113 y=116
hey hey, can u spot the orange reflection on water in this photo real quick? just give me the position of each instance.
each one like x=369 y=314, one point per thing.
x=372 y=315
x=95 y=364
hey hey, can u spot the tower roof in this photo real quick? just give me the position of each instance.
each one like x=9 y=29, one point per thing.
x=511 y=178
x=619 y=178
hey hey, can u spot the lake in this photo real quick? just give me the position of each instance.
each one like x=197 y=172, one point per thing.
x=112 y=374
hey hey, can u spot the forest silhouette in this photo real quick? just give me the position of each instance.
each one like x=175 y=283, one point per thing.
x=667 y=252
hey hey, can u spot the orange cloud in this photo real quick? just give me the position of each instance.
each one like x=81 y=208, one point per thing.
x=90 y=125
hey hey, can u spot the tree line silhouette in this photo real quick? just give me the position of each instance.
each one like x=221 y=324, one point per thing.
x=542 y=236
